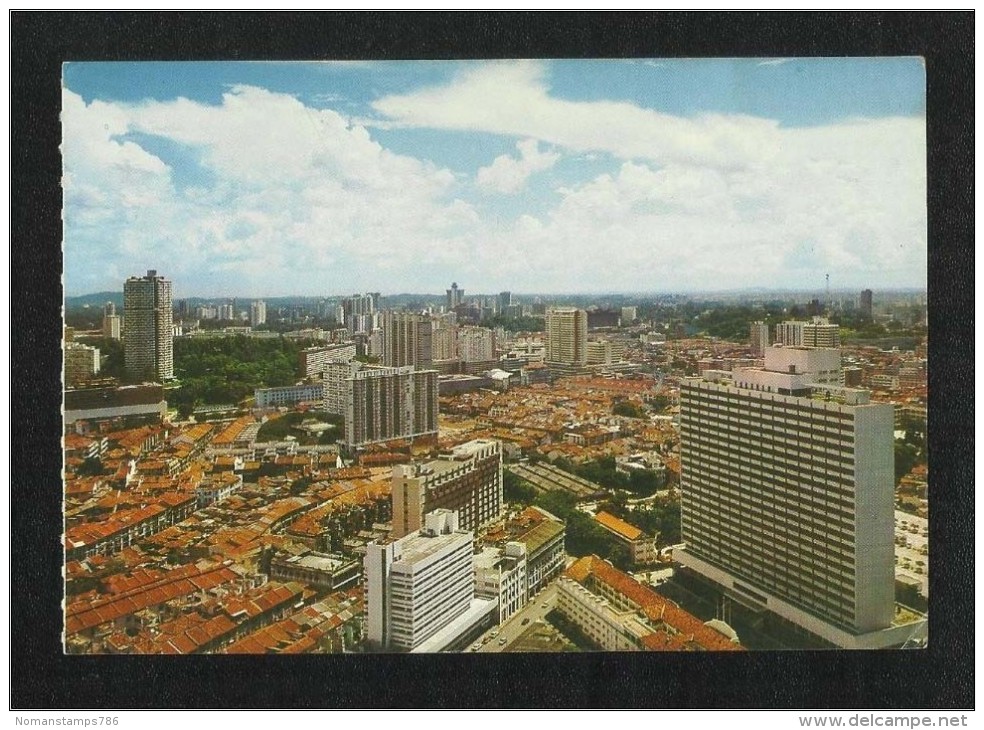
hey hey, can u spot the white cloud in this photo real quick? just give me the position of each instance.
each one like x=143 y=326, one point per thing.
x=512 y=98
x=291 y=199
x=288 y=193
x=509 y=175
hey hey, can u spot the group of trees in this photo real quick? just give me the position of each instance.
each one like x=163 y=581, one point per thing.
x=583 y=535
x=910 y=450
x=215 y=371
x=603 y=472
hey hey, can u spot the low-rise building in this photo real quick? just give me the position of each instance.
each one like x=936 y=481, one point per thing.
x=642 y=547
x=289 y=395
x=500 y=574
x=618 y=613
x=320 y=570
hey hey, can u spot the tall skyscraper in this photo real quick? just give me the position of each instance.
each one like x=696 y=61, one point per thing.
x=866 y=304
x=567 y=336
x=505 y=300
x=407 y=340
x=468 y=481
x=758 y=337
x=419 y=584
x=148 y=342
x=111 y=328
x=787 y=499
x=257 y=313
x=455 y=296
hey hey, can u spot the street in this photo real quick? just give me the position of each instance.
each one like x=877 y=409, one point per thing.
x=538 y=607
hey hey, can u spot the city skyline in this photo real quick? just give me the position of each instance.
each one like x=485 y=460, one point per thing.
x=527 y=176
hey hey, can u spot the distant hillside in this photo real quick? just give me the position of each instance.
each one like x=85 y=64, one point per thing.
x=95 y=300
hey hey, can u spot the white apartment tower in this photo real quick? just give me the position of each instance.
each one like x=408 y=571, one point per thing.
x=418 y=584
x=383 y=403
x=257 y=313
x=407 y=340
x=567 y=336
x=787 y=496
x=148 y=344
x=468 y=481
x=111 y=327
x=758 y=338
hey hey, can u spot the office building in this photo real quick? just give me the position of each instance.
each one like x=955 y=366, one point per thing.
x=629 y=315
x=81 y=363
x=148 y=342
x=455 y=296
x=468 y=481
x=383 y=403
x=758 y=338
x=112 y=326
x=418 y=584
x=407 y=340
x=818 y=332
x=257 y=313
x=505 y=301
x=787 y=496
x=567 y=336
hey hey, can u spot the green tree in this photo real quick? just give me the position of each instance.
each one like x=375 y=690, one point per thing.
x=516 y=489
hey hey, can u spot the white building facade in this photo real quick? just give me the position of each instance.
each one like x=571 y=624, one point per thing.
x=418 y=584
x=787 y=495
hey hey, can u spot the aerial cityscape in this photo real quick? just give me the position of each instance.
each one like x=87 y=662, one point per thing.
x=484 y=357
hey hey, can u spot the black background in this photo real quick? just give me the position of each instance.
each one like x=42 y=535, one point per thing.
x=42 y=677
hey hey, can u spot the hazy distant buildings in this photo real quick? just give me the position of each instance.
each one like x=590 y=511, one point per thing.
x=628 y=315
x=468 y=481
x=361 y=312
x=111 y=325
x=148 y=343
x=758 y=338
x=866 y=305
x=455 y=296
x=567 y=336
x=407 y=340
x=787 y=499
x=505 y=301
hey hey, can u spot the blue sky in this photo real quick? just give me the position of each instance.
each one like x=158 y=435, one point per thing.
x=265 y=179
